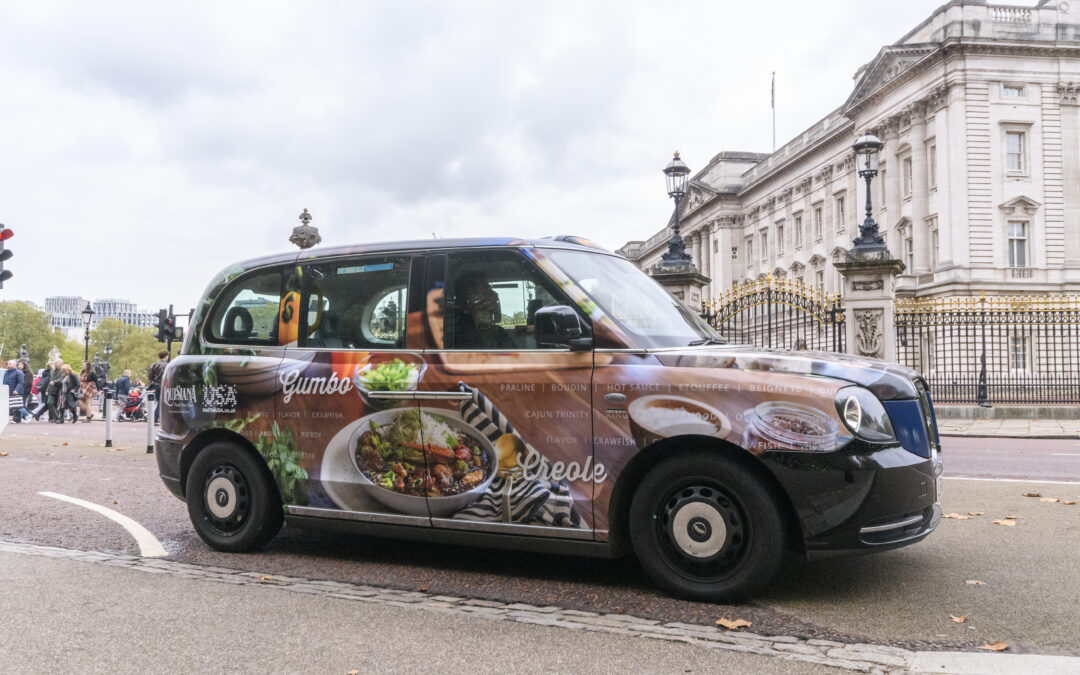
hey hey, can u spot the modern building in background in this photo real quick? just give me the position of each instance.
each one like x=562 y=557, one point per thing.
x=65 y=313
x=979 y=183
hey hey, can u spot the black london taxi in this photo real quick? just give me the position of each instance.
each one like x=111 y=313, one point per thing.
x=541 y=395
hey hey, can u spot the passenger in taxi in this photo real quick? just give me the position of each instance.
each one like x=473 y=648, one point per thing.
x=477 y=313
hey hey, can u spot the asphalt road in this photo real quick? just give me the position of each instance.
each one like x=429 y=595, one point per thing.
x=996 y=457
x=1028 y=598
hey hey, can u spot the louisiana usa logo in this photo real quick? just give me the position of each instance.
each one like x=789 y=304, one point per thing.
x=179 y=396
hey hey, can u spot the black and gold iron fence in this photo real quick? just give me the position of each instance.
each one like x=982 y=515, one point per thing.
x=779 y=314
x=999 y=349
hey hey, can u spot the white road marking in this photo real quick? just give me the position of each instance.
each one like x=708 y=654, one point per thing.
x=1015 y=480
x=149 y=546
x=1065 y=454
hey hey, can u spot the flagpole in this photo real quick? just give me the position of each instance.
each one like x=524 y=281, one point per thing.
x=773 y=97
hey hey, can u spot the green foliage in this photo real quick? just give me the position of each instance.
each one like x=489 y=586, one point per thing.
x=22 y=324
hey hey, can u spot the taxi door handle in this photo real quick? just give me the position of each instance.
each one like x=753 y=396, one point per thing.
x=422 y=395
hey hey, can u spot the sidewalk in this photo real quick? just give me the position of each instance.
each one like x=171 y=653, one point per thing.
x=1010 y=428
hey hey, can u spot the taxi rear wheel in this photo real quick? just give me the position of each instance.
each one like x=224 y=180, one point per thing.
x=705 y=528
x=231 y=499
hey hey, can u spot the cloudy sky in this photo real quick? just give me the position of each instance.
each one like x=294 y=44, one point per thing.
x=147 y=145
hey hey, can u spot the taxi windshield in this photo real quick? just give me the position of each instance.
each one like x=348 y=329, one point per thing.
x=647 y=313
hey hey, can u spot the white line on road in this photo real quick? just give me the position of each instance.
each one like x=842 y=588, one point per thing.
x=1065 y=454
x=149 y=546
x=1015 y=480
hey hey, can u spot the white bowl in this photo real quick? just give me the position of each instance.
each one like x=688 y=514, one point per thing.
x=440 y=507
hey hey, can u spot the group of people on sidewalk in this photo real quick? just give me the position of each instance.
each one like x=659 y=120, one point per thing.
x=58 y=391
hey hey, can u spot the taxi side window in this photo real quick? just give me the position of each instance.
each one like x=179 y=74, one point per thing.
x=246 y=311
x=490 y=300
x=355 y=303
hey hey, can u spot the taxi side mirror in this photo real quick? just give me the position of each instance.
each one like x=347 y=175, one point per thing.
x=560 y=326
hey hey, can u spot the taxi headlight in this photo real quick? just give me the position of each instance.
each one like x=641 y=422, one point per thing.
x=864 y=415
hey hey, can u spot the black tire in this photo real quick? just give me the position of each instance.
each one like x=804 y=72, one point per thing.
x=232 y=501
x=705 y=528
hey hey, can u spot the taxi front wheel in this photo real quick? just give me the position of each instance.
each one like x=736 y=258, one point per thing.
x=231 y=499
x=705 y=528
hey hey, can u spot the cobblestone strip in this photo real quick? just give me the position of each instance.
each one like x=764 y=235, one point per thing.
x=863 y=658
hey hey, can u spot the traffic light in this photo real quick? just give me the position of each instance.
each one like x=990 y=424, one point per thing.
x=5 y=254
x=162 y=325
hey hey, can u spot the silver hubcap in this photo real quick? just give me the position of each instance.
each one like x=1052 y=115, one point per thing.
x=698 y=529
x=221 y=497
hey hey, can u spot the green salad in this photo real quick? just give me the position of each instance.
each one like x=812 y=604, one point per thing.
x=394 y=375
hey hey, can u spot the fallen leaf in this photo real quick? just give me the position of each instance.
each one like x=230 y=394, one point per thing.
x=957 y=516
x=1067 y=502
x=265 y=577
x=976 y=513
x=995 y=646
x=1032 y=494
x=422 y=588
x=733 y=625
x=1010 y=523
x=65 y=443
x=115 y=502
x=353 y=672
x=958 y=619
x=1053 y=500
x=3 y=454
x=1009 y=517
x=974 y=582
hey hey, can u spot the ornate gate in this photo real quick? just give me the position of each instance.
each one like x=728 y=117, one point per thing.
x=778 y=313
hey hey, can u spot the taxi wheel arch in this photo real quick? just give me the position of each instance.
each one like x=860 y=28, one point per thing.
x=233 y=501
x=705 y=527
x=632 y=475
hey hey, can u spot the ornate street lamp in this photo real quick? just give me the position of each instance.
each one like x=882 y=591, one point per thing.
x=676 y=174
x=87 y=314
x=106 y=365
x=866 y=161
x=305 y=235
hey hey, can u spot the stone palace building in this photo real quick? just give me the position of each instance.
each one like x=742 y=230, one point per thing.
x=979 y=183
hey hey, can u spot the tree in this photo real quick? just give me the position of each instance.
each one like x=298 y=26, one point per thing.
x=22 y=324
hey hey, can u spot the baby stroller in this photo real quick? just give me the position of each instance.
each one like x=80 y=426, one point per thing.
x=132 y=409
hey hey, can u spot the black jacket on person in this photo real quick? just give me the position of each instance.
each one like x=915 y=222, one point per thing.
x=123 y=386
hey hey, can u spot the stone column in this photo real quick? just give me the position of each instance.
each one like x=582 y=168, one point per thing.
x=707 y=258
x=1070 y=137
x=919 y=207
x=695 y=249
x=892 y=179
x=869 y=304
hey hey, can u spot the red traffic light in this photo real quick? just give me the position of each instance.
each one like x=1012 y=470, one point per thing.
x=6 y=234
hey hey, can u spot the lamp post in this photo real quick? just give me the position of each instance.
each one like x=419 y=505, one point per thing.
x=87 y=314
x=676 y=173
x=869 y=240
x=106 y=365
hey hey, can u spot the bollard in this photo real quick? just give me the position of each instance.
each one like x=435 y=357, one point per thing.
x=107 y=407
x=150 y=422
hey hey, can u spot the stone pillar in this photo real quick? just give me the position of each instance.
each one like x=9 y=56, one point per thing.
x=707 y=259
x=1070 y=137
x=892 y=178
x=695 y=242
x=683 y=282
x=919 y=207
x=869 y=304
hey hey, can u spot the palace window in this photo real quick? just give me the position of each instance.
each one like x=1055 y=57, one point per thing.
x=934 y=248
x=780 y=237
x=1019 y=352
x=907 y=177
x=909 y=253
x=764 y=245
x=819 y=281
x=840 y=213
x=817 y=223
x=734 y=252
x=931 y=166
x=1015 y=144
x=749 y=251
x=798 y=231
x=1012 y=91
x=1018 y=243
